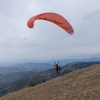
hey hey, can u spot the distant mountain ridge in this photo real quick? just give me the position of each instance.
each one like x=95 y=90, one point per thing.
x=70 y=60
x=24 y=67
x=12 y=72
x=13 y=76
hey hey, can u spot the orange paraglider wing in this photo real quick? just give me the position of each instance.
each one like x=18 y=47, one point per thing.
x=54 y=18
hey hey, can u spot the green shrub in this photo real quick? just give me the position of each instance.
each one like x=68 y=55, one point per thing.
x=31 y=84
x=43 y=81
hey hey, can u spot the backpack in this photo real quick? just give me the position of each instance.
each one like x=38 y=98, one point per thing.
x=59 y=68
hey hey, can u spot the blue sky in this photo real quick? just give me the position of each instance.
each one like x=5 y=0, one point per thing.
x=46 y=41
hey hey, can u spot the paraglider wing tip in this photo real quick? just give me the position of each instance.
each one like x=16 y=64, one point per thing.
x=30 y=25
x=71 y=33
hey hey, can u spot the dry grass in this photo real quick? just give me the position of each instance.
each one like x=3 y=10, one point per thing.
x=79 y=85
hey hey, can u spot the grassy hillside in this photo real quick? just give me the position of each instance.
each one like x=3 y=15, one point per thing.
x=82 y=84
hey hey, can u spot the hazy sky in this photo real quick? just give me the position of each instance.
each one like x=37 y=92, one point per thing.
x=47 y=41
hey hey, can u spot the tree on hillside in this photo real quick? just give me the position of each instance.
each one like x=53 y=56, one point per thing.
x=31 y=84
x=43 y=81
